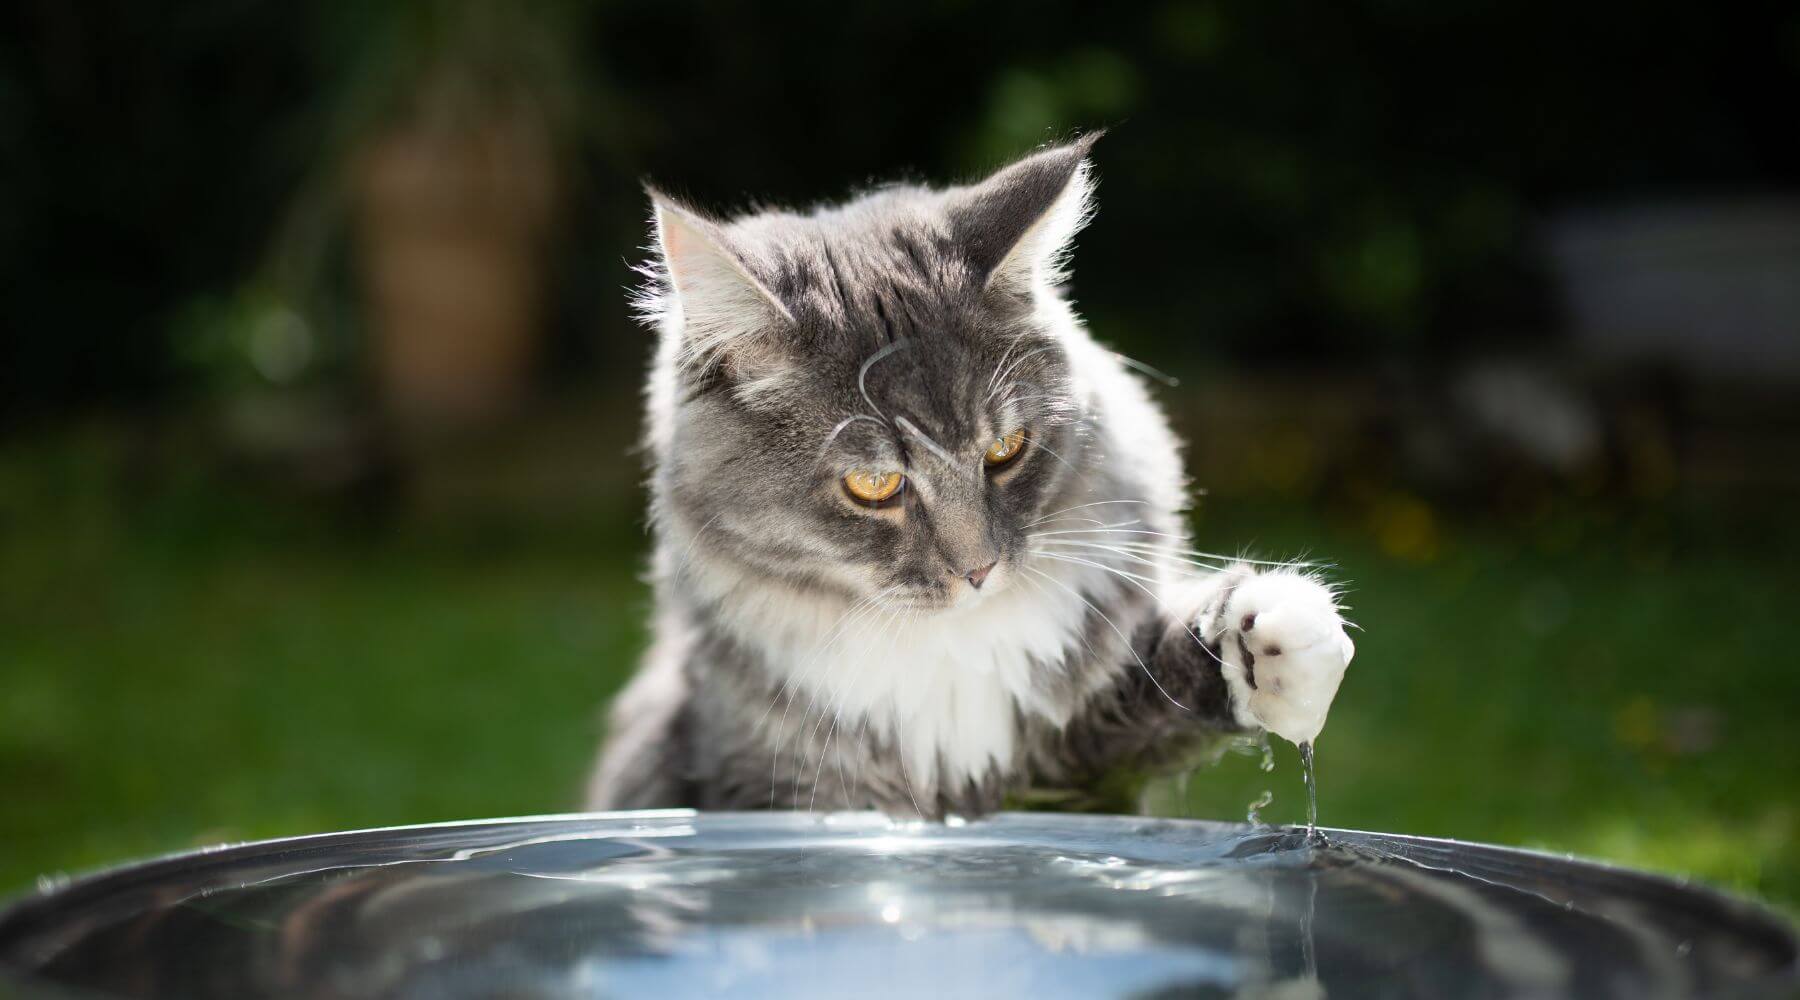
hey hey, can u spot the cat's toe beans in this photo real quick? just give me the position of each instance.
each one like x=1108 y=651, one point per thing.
x=1295 y=649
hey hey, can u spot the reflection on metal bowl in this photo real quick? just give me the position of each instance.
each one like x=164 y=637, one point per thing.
x=786 y=904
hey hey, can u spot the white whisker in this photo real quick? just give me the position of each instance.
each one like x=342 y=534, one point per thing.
x=994 y=378
x=862 y=727
x=687 y=553
x=1104 y=527
x=1122 y=636
x=1283 y=563
x=914 y=430
x=1195 y=554
x=1081 y=506
x=817 y=662
x=1161 y=376
x=837 y=714
x=993 y=384
x=862 y=374
x=1072 y=558
x=1133 y=579
x=1166 y=558
x=839 y=429
x=1058 y=456
x=838 y=629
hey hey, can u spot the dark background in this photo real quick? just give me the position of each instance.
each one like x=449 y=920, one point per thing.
x=317 y=383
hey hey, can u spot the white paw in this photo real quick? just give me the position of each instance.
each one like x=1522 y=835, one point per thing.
x=1284 y=650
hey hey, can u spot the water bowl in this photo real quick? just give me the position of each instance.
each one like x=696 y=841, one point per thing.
x=677 y=903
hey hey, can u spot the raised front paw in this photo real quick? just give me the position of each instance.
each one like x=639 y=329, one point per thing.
x=1284 y=650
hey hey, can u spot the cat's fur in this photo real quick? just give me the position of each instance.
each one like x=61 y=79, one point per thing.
x=812 y=652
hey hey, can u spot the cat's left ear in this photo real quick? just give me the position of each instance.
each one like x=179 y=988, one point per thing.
x=1016 y=228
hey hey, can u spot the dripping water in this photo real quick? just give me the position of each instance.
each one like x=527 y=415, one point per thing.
x=1313 y=836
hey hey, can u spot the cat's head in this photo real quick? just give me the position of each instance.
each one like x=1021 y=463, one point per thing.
x=874 y=399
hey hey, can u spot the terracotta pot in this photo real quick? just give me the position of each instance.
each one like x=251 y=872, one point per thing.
x=451 y=225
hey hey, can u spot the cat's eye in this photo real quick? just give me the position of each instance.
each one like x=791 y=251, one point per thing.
x=873 y=487
x=1005 y=450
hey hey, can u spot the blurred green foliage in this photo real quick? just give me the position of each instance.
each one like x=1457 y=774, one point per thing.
x=1349 y=179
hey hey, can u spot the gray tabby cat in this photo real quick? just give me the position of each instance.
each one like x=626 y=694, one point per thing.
x=919 y=539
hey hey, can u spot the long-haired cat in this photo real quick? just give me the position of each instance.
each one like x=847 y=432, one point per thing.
x=919 y=538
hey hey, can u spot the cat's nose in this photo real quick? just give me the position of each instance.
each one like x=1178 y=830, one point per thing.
x=977 y=576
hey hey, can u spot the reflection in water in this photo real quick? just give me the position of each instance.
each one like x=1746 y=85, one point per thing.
x=793 y=905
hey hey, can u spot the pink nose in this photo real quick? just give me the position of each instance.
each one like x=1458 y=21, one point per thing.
x=977 y=576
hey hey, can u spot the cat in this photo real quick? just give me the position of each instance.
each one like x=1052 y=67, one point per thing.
x=919 y=539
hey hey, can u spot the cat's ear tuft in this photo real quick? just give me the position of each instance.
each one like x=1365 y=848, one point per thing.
x=705 y=290
x=1017 y=227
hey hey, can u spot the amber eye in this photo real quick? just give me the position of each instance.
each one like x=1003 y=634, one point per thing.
x=1005 y=449
x=873 y=487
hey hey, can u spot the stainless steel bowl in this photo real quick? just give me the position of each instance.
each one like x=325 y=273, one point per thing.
x=785 y=904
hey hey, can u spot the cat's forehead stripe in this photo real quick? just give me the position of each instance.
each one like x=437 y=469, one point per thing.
x=887 y=251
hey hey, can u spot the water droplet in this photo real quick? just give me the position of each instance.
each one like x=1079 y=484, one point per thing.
x=1268 y=754
x=1254 y=817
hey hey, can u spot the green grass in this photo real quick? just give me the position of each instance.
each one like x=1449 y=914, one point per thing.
x=190 y=669
x=1617 y=686
x=183 y=663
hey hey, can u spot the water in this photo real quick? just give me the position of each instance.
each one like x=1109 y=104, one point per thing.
x=1254 y=815
x=1312 y=794
x=783 y=904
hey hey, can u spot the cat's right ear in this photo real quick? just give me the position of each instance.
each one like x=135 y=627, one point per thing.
x=710 y=294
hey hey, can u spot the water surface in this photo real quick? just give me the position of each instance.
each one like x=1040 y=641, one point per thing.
x=674 y=903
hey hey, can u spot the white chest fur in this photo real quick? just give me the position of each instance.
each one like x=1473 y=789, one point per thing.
x=946 y=687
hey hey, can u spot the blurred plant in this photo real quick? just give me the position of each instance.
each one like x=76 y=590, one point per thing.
x=404 y=285
x=450 y=139
x=251 y=340
x=1285 y=181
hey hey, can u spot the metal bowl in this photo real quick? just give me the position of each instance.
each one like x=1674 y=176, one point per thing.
x=787 y=904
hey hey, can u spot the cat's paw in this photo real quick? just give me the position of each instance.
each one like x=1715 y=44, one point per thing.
x=1284 y=650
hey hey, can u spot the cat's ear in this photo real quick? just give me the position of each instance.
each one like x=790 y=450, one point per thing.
x=1016 y=227
x=724 y=312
